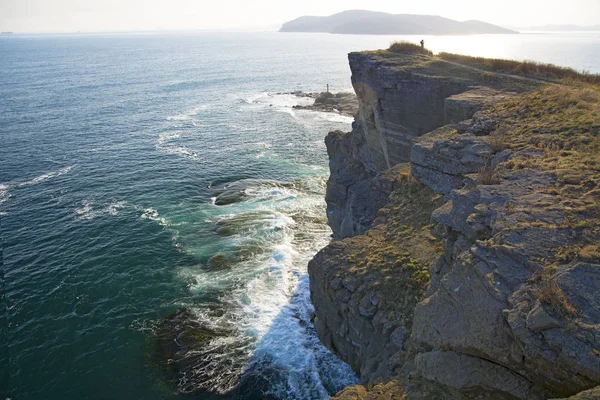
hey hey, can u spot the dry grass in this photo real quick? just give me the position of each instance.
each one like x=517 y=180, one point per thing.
x=543 y=71
x=405 y=47
x=551 y=295
x=395 y=254
x=487 y=175
x=559 y=125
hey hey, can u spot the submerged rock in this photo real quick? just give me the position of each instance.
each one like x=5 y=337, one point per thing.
x=198 y=359
x=238 y=191
x=218 y=262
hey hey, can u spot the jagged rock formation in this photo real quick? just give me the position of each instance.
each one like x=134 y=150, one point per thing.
x=502 y=301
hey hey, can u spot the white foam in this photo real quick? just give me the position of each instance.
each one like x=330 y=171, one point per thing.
x=163 y=143
x=113 y=208
x=85 y=212
x=89 y=210
x=4 y=194
x=188 y=115
x=181 y=151
x=153 y=215
x=38 y=179
x=266 y=299
x=167 y=136
x=333 y=117
x=254 y=98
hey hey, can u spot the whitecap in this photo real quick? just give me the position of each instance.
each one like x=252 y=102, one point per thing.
x=153 y=215
x=333 y=117
x=86 y=211
x=38 y=179
x=163 y=144
x=166 y=136
x=4 y=194
x=113 y=208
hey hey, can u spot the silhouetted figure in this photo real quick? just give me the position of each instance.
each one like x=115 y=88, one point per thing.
x=422 y=44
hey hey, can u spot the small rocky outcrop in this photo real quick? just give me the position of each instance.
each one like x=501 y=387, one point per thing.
x=343 y=103
x=498 y=217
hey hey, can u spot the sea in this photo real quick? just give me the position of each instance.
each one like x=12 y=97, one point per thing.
x=113 y=150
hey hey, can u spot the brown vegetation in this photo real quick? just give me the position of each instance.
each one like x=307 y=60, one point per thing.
x=487 y=175
x=533 y=69
x=405 y=47
x=396 y=253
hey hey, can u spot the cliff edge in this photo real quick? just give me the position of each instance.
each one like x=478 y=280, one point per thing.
x=464 y=204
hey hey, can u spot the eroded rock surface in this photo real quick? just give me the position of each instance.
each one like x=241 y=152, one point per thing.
x=508 y=308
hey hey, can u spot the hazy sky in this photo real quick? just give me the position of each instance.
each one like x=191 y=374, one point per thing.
x=103 y=15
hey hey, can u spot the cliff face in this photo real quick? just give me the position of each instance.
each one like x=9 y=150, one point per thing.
x=469 y=204
x=399 y=101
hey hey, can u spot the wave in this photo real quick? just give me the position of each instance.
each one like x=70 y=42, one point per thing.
x=114 y=208
x=264 y=311
x=153 y=215
x=4 y=194
x=163 y=144
x=5 y=187
x=85 y=212
x=45 y=177
x=181 y=151
x=284 y=103
x=88 y=211
x=190 y=114
x=38 y=179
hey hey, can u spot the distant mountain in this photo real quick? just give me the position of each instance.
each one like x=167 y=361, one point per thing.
x=379 y=23
x=564 y=28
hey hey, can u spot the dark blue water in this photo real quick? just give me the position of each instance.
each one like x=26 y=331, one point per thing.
x=111 y=147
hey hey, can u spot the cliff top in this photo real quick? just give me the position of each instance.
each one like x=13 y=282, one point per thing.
x=497 y=73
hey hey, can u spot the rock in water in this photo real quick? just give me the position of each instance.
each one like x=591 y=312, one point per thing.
x=197 y=359
x=342 y=103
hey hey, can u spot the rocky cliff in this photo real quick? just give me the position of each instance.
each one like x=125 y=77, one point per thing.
x=467 y=202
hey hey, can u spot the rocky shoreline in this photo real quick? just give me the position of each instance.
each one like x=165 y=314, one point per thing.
x=344 y=103
x=464 y=208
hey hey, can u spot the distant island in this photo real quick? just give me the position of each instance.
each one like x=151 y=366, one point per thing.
x=363 y=22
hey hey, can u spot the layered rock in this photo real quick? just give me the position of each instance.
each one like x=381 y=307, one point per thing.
x=399 y=101
x=509 y=306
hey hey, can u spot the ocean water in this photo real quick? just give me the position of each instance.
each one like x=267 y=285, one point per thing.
x=112 y=150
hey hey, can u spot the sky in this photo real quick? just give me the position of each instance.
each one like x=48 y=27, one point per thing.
x=132 y=15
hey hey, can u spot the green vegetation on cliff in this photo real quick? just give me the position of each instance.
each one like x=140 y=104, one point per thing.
x=397 y=251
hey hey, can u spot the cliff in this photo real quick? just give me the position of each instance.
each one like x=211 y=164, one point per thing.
x=465 y=207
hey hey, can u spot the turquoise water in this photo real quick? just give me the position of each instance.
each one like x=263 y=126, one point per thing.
x=112 y=150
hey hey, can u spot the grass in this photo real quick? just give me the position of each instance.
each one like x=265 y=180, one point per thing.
x=533 y=69
x=405 y=47
x=487 y=175
x=396 y=253
x=551 y=295
x=559 y=126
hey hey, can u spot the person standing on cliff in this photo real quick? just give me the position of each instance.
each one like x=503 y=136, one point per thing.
x=422 y=43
